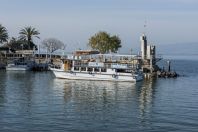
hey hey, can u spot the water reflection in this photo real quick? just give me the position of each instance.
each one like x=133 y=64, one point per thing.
x=21 y=82
x=82 y=103
x=93 y=90
x=2 y=87
x=34 y=101
x=102 y=101
x=19 y=91
x=146 y=98
x=98 y=101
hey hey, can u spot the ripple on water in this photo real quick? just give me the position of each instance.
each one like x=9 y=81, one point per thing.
x=39 y=102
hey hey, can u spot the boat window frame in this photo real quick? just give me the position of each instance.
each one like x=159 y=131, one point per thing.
x=103 y=69
x=96 y=69
x=83 y=69
x=76 y=67
x=89 y=69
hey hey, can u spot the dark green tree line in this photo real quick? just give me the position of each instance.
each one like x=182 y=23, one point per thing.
x=24 y=41
x=3 y=34
x=27 y=34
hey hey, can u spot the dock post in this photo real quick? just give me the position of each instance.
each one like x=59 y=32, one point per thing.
x=151 y=64
x=169 y=67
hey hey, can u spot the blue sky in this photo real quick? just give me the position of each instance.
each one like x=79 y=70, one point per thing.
x=74 y=21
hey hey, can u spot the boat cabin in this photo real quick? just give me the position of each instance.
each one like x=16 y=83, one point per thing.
x=101 y=63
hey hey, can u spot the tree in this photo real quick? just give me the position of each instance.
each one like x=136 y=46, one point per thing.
x=52 y=44
x=27 y=35
x=105 y=43
x=115 y=43
x=17 y=44
x=3 y=34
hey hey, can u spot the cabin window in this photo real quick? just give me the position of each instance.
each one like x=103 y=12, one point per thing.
x=103 y=70
x=77 y=63
x=76 y=68
x=90 y=69
x=121 y=70
x=83 y=68
x=96 y=69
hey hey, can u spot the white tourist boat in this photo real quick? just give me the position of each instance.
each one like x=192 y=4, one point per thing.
x=100 y=67
x=19 y=65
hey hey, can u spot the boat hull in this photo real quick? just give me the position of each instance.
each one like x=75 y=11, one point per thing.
x=18 y=68
x=96 y=76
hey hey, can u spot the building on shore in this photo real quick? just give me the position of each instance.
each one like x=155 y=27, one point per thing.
x=147 y=59
x=148 y=55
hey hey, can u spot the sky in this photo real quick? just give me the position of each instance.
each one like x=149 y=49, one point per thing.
x=75 y=21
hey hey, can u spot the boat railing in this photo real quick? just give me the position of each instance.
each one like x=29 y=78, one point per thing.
x=54 y=66
x=109 y=66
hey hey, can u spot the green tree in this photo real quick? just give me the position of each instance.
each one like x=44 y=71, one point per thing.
x=27 y=35
x=115 y=43
x=3 y=34
x=17 y=44
x=104 y=42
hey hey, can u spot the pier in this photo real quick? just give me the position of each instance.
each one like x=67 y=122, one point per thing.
x=42 y=60
x=149 y=62
x=167 y=73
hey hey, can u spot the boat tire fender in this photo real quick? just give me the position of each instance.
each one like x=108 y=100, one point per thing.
x=114 y=76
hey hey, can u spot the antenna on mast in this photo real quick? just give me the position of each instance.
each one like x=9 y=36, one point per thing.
x=145 y=25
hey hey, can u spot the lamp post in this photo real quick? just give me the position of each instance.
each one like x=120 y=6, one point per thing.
x=22 y=49
x=50 y=52
x=169 y=67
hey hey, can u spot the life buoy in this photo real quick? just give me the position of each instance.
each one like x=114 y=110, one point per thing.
x=114 y=76
x=71 y=72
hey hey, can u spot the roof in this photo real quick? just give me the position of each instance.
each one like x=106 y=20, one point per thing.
x=86 y=52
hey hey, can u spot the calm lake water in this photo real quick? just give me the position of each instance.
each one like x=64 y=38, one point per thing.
x=38 y=102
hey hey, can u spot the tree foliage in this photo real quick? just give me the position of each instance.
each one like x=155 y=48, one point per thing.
x=27 y=35
x=104 y=42
x=19 y=44
x=52 y=44
x=3 y=34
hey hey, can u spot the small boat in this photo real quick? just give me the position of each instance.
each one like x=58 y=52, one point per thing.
x=100 y=67
x=20 y=65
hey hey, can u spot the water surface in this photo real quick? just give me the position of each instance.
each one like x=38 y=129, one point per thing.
x=38 y=102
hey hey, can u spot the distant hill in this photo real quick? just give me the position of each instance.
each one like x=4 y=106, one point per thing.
x=179 y=49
